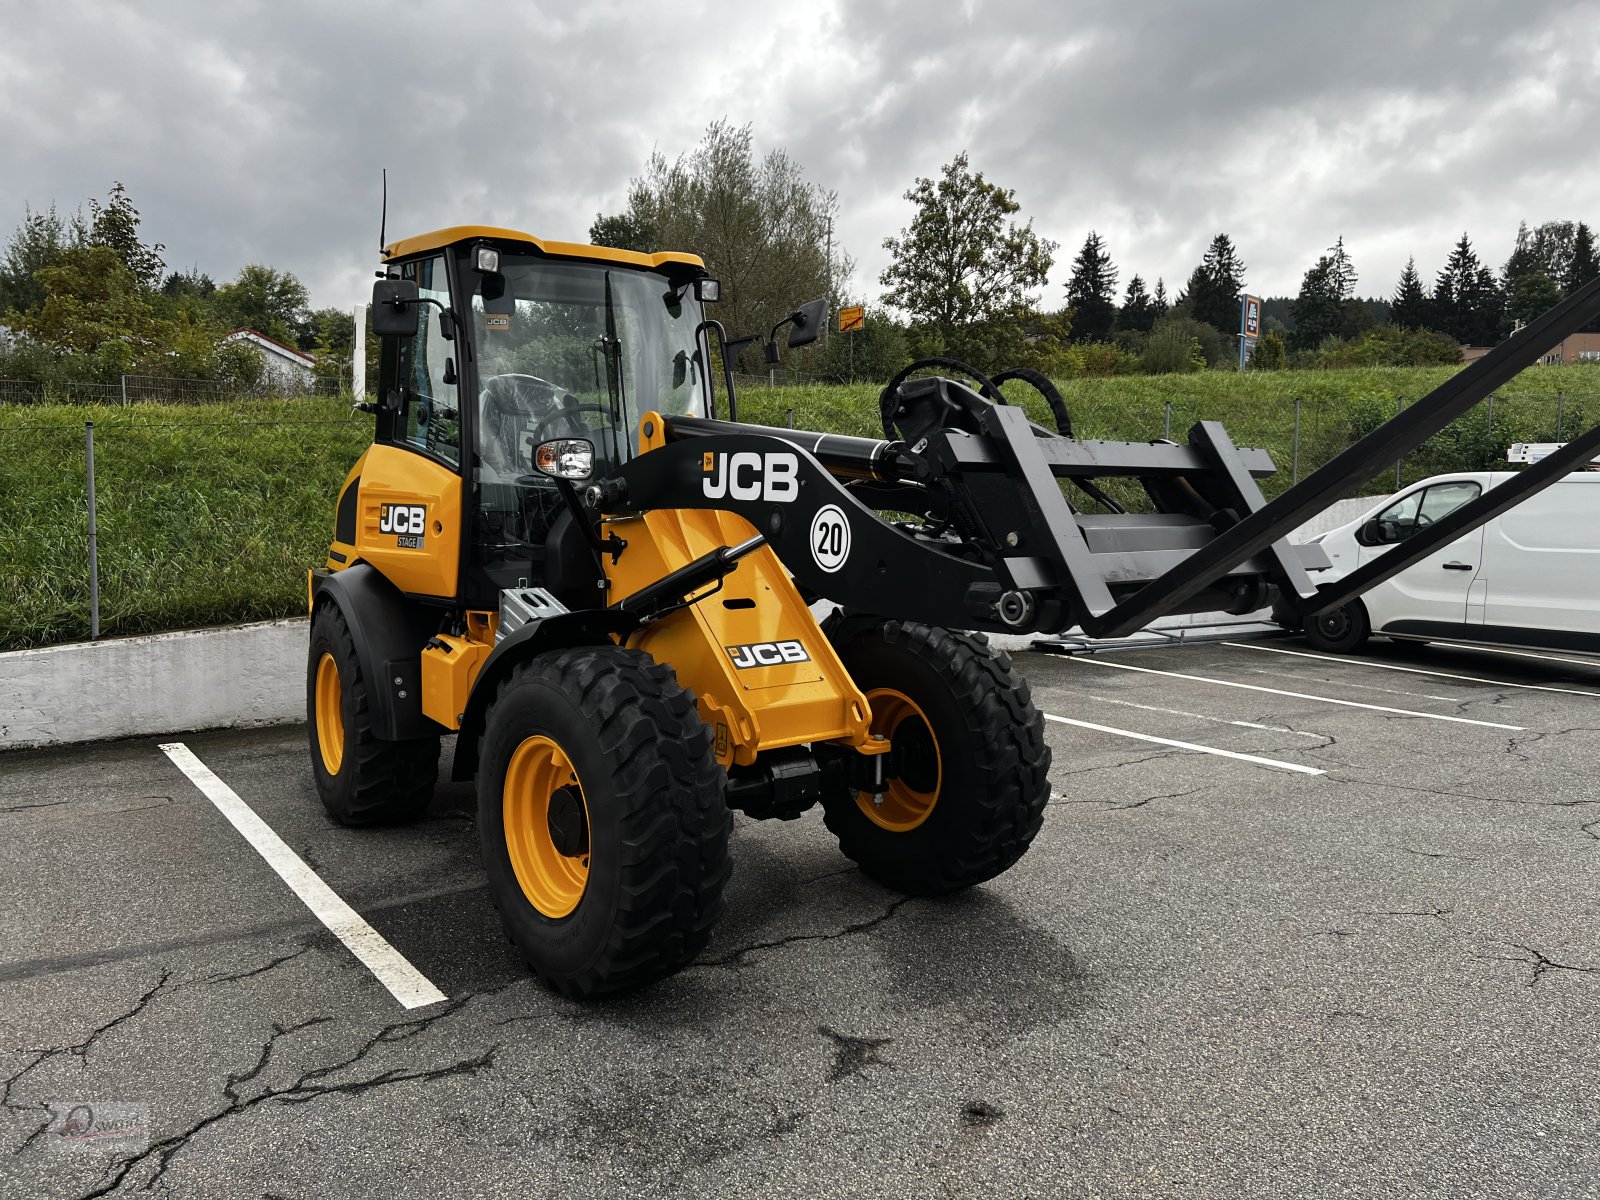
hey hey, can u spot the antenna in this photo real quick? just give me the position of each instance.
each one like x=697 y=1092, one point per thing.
x=383 y=219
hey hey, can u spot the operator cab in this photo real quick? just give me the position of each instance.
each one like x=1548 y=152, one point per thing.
x=519 y=341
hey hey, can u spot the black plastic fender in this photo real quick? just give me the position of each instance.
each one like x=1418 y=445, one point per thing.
x=389 y=632
x=591 y=627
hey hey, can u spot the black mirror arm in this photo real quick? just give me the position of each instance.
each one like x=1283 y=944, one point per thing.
x=704 y=330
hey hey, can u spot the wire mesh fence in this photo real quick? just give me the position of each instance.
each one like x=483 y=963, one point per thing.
x=212 y=514
x=156 y=389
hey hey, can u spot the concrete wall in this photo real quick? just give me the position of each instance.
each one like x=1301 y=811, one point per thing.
x=164 y=683
x=234 y=677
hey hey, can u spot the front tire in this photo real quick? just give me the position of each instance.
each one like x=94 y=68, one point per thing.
x=968 y=769
x=1341 y=630
x=602 y=819
x=361 y=778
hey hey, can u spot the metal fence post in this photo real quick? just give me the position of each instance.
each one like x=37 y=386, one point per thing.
x=124 y=379
x=1399 y=407
x=1166 y=424
x=1489 y=408
x=788 y=414
x=94 y=536
x=1560 y=415
x=1295 y=472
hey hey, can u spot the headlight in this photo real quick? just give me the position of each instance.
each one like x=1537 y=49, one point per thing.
x=565 y=458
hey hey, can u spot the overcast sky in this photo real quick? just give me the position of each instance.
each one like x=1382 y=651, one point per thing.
x=255 y=132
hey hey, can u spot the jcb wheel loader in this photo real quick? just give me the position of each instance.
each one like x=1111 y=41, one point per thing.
x=557 y=550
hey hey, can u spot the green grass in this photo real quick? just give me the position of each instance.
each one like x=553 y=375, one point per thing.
x=210 y=514
x=207 y=514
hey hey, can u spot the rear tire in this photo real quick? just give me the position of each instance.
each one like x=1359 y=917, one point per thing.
x=602 y=819
x=969 y=768
x=1341 y=630
x=361 y=778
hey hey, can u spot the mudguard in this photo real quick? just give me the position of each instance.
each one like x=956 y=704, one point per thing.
x=389 y=632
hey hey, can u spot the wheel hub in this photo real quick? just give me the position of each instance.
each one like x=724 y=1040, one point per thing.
x=569 y=830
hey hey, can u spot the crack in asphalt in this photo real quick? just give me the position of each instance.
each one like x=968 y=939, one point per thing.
x=1541 y=963
x=852 y=1055
x=303 y=1090
x=1434 y=854
x=1437 y=913
x=849 y=930
x=79 y=1050
x=23 y=807
x=261 y=970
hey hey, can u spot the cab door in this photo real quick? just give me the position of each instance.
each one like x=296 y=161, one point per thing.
x=1436 y=589
x=409 y=506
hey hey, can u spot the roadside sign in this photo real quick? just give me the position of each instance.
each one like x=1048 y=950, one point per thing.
x=853 y=318
x=1249 y=328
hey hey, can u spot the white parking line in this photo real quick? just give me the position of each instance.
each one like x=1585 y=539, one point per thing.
x=1362 y=662
x=1577 y=662
x=1252 y=687
x=1178 y=712
x=407 y=984
x=1276 y=763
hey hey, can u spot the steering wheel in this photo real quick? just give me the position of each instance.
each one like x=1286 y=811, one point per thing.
x=568 y=414
x=1423 y=521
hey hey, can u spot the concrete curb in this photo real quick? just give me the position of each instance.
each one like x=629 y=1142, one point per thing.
x=241 y=676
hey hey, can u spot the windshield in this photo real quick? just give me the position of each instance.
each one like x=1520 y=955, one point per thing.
x=582 y=350
x=567 y=350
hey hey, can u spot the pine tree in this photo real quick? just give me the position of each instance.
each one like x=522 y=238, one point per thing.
x=1138 y=309
x=1091 y=292
x=1318 y=310
x=1467 y=301
x=1409 y=308
x=1158 y=302
x=1215 y=286
x=1585 y=264
x=1342 y=271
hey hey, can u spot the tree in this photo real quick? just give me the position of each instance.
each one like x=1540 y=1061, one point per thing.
x=1215 y=286
x=265 y=299
x=763 y=230
x=1531 y=293
x=93 y=305
x=1091 y=292
x=1409 y=309
x=1269 y=355
x=874 y=352
x=962 y=271
x=39 y=242
x=1584 y=265
x=625 y=231
x=1138 y=309
x=1158 y=302
x=1466 y=300
x=115 y=225
x=1341 y=270
x=1318 y=310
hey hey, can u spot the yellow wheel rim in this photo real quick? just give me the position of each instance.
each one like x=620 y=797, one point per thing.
x=911 y=794
x=540 y=780
x=330 y=714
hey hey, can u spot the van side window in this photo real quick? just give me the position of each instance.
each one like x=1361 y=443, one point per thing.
x=1419 y=510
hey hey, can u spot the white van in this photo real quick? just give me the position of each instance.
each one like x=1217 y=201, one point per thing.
x=1530 y=577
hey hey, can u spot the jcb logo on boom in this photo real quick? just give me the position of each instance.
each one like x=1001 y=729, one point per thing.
x=767 y=654
x=403 y=519
x=746 y=475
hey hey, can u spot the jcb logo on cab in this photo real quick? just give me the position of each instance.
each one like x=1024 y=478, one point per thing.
x=746 y=475
x=403 y=519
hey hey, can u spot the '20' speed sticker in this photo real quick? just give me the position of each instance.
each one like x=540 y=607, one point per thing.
x=830 y=538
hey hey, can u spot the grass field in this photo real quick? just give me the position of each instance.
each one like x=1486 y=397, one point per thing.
x=210 y=514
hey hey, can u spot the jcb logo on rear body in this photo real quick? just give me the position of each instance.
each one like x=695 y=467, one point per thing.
x=767 y=654
x=746 y=475
x=402 y=518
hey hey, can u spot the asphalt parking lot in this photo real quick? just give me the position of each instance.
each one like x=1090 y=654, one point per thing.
x=1338 y=934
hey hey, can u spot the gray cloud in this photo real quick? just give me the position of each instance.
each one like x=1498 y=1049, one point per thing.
x=256 y=132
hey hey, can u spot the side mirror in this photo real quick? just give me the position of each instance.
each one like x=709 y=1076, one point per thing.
x=565 y=458
x=1371 y=534
x=805 y=323
x=394 y=308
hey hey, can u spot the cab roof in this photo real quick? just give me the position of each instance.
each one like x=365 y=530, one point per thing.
x=440 y=238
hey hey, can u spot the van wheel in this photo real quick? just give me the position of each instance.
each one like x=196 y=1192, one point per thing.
x=1341 y=630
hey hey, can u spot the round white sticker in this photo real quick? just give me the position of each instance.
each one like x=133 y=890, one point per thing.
x=830 y=538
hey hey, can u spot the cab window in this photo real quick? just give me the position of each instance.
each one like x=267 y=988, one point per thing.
x=1416 y=511
x=430 y=416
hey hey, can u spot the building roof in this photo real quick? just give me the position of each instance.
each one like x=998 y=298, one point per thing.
x=441 y=238
x=272 y=345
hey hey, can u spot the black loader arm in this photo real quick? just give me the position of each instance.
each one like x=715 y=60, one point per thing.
x=833 y=544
